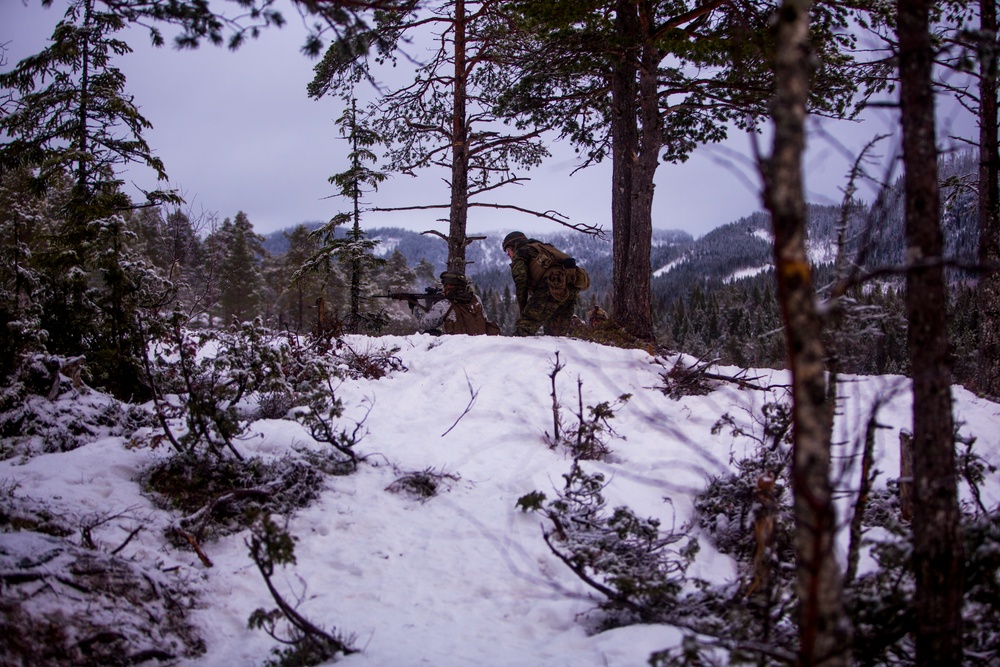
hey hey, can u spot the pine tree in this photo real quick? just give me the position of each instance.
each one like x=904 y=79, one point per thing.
x=446 y=118
x=937 y=544
x=70 y=113
x=129 y=294
x=240 y=275
x=297 y=294
x=649 y=81
x=354 y=252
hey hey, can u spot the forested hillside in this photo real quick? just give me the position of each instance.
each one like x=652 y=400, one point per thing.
x=714 y=296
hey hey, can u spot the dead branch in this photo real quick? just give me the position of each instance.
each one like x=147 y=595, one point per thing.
x=683 y=380
x=473 y=395
x=556 y=367
x=553 y=216
x=205 y=513
x=128 y=539
x=194 y=545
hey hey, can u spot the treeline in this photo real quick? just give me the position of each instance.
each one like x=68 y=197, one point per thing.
x=107 y=295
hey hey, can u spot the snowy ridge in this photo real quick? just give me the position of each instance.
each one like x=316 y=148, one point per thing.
x=670 y=267
x=746 y=273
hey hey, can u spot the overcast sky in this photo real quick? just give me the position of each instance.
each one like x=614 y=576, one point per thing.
x=236 y=131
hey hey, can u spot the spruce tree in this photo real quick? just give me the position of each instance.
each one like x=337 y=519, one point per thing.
x=70 y=113
x=240 y=275
x=296 y=296
x=354 y=252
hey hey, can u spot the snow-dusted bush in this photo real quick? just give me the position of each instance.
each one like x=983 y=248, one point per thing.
x=588 y=439
x=639 y=569
x=218 y=496
x=65 y=606
x=423 y=485
x=45 y=411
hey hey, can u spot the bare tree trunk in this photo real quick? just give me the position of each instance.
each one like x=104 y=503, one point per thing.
x=988 y=365
x=906 y=475
x=459 y=215
x=937 y=547
x=864 y=490
x=824 y=630
x=84 y=111
x=636 y=156
x=625 y=142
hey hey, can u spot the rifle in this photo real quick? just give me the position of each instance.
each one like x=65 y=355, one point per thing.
x=430 y=296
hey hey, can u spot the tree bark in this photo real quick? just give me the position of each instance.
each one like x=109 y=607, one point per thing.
x=937 y=547
x=459 y=211
x=634 y=165
x=824 y=631
x=988 y=365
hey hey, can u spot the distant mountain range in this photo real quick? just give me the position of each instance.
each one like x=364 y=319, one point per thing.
x=740 y=250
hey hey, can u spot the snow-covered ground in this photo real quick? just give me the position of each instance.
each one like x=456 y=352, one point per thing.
x=464 y=577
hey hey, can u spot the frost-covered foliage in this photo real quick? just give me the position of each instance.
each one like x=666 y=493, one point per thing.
x=221 y=496
x=197 y=395
x=729 y=504
x=422 y=485
x=755 y=624
x=747 y=515
x=219 y=382
x=68 y=604
x=589 y=437
x=208 y=386
x=97 y=609
x=638 y=569
x=46 y=411
x=881 y=601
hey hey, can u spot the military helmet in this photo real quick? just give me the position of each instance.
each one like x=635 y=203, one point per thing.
x=452 y=278
x=512 y=238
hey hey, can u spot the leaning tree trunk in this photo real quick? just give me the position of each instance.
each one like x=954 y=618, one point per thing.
x=459 y=212
x=824 y=631
x=988 y=362
x=937 y=547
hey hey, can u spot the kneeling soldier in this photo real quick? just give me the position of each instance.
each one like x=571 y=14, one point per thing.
x=460 y=312
x=547 y=282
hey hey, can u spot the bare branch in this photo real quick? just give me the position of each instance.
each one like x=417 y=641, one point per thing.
x=473 y=395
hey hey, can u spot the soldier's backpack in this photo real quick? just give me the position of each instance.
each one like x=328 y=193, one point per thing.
x=469 y=319
x=557 y=269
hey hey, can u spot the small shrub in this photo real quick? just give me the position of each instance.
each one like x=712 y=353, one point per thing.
x=66 y=606
x=725 y=509
x=373 y=363
x=421 y=485
x=589 y=438
x=221 y=496
x=682 y=380
x=639 y=569
x=35 y=424
x=307 y=644
x=18 y=513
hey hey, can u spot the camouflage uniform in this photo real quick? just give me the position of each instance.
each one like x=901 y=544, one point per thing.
x=460 y=313
x=538 y=307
